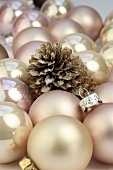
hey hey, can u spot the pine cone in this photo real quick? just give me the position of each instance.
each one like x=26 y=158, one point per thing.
x=56 y=68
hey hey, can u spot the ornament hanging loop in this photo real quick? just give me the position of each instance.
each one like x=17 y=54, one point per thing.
x=81 y=92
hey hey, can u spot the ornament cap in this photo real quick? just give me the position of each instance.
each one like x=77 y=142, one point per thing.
x=27 y=164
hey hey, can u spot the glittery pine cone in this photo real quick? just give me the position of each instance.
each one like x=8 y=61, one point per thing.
x=56 y=68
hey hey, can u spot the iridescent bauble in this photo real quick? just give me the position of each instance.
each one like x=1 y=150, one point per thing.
x=8 y=12
x=95 y=64
x=88 y=18
x=100 y=125
x=106 y=34
x=78 y=42
x=62 y=27
x=15 y=127
x=12 y=68
x=30 y=18
x=25 y=52
x=56 y=102
x=3 y=52
x=15 y=91
x=107 y=53
x=31 y=34
x=56 y=8
x=60 y=143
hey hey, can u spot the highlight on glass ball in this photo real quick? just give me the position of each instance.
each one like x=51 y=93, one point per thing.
x=56 y=8
x=56 y=102
x=106 y=34
x=3 y=52
x=25 y=52
x=78 y=42
x=64 y=143
x=86 y=17
x=30 y=18
x=95 y=64
x=15 y=127
x=107 y=53
x=31 y=34
x=12 y=68
x=65 y=26
x=100 y=125
x=8 y=12
x=15 y=91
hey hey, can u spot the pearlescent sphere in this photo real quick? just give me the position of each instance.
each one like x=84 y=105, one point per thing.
x=107 y=53
x=95 y=65
x=60 y=143
x=106 y=34
x=3 y=52
x=31 y=34
x=100 y=125
x=88 y=18
x=78 y=42
x=30 y=18
x=109 y=18
x=104 y=92
x=109 y=77
x=8 y=12
x=56 y=102
x=12 y=68
x=15 y=91
x=56 y=8
x=62 y=27
x=15 y=127
x=25 y=52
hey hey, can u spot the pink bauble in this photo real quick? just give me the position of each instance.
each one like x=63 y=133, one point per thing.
x=62 y=27
x=27 y=50
x=30 y=18
x=31 y=34
x=55 y=102
x=8 y=12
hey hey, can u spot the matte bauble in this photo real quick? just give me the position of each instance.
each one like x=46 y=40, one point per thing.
x=100 y=125
x=55 y=8
x=55 y=102
x=15 y=127
x=60 y=143
x=12 y=68
x=65 y=27
x=8 y=12
x=78 y=42
x=3 y=52
x=15 y=91
x=95 y=64
x=31 y=18
x=88 y=18
x=31 y=34
x=25 y=52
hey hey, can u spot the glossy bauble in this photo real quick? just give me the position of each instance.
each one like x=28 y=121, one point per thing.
x=88 y=18
x=30 y=18
x=55 y=102
x=78 y=42
x=109 y=77
x=15 y=91
x=15 y=127
x=95 y=64
x=31 y=34
x=100 y=125
x=8 y=12
x=60 y=143
x=3 y=52
x=25 y=52
x=109 y=18
x=62 y=27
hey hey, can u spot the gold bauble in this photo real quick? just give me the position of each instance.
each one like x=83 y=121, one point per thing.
x=95 y=65
x=12 y=68
x=60 y=143
x=109 y=18
x=56 y=8
x=106 y=34
x=107 y=53
x=78 y=42
x=15 y=127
